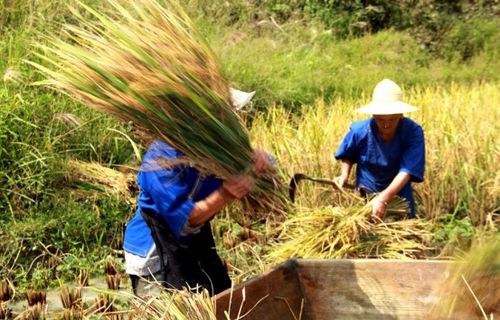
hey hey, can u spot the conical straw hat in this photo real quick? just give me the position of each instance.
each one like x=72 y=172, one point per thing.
x=387 y=99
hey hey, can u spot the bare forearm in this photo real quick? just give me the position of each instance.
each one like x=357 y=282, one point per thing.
x=232 y=188
x=399 y=181
x=345 y=167
x=205 y=209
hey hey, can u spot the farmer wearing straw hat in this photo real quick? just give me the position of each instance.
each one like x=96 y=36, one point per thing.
x=169 y=240
x=388 y=149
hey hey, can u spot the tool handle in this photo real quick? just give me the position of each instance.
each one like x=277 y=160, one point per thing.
x=301 y=176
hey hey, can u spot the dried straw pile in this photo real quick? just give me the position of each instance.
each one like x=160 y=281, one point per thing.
x=345 y=231
x=179 y=304
x=92 y=176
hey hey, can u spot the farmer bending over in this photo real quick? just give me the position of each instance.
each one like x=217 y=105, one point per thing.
x=169 y=240
x=389 y=149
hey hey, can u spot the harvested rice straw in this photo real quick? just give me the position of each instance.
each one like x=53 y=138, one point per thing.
x=94 y=176
x=347 y=232
x=175 y=304
x=472 y=290
x=147 y=64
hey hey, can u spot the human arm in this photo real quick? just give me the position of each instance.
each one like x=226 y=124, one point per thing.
x=347 y=154
x=165 y=190
x=345 y=169
x=231 y=189
x=379 y=203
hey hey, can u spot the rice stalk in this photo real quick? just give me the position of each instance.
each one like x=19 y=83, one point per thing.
x=71 y=298
x=147 y=64
x=82 y=279
x=34 y=312
x=5 y=312
x=92 y=176
x=113 y=281
x=103 y=303
x=110 y=266
x=176 y=304
x=346 y=231
x=6 y=290
x=169 y=304
x=34 y=296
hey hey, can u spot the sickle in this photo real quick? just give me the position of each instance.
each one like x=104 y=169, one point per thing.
x=301 y=176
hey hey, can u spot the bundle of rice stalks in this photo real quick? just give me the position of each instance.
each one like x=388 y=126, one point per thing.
x=147 y=64
x=71 y=298
x=5 y=312
x=92 y=176
x=36 y=296
x=103 y=303
x=113 y=281
x=82 y=280
x=70 y=314
x=346 y=231
x=35 y=312
x=110 y=266
x=472 y=290
x=184 y=305
x=6 y=290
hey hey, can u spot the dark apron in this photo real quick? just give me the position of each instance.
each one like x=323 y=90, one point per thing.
x=188 y=263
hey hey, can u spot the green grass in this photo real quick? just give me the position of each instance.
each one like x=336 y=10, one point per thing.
x=62 y=234
x=296 y=66
x=293 y=61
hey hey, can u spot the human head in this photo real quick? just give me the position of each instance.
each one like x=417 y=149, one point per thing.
x=387 y=123
x=387 y=106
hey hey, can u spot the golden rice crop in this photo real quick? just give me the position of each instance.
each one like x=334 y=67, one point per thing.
x=461 y=124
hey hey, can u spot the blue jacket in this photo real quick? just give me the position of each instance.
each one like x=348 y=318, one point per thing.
x=170 y=193
x=378 y=163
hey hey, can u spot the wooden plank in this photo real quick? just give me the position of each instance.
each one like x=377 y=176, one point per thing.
x=369 y=289
x=275 y=295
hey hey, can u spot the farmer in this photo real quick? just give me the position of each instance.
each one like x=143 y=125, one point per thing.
x=388 y=148
x=169 y=239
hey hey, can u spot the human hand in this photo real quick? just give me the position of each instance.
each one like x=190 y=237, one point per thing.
x=341 y=180
x=378 y=208
x=238 y=187
x=261 y=161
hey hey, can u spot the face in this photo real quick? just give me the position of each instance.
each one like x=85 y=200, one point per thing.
x=387 y=123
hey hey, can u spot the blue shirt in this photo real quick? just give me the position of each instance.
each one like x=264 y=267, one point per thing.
x=378 y=163
x=170 y=193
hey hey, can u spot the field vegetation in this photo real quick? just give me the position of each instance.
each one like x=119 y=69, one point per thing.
x=66 y=172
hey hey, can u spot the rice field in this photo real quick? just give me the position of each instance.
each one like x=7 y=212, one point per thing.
x=62 y=162
x=460 y=123
x=462 y=179
x=461 y=182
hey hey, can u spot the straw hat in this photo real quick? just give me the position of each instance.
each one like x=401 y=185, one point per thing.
x=387 y=99
x=240 y=98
